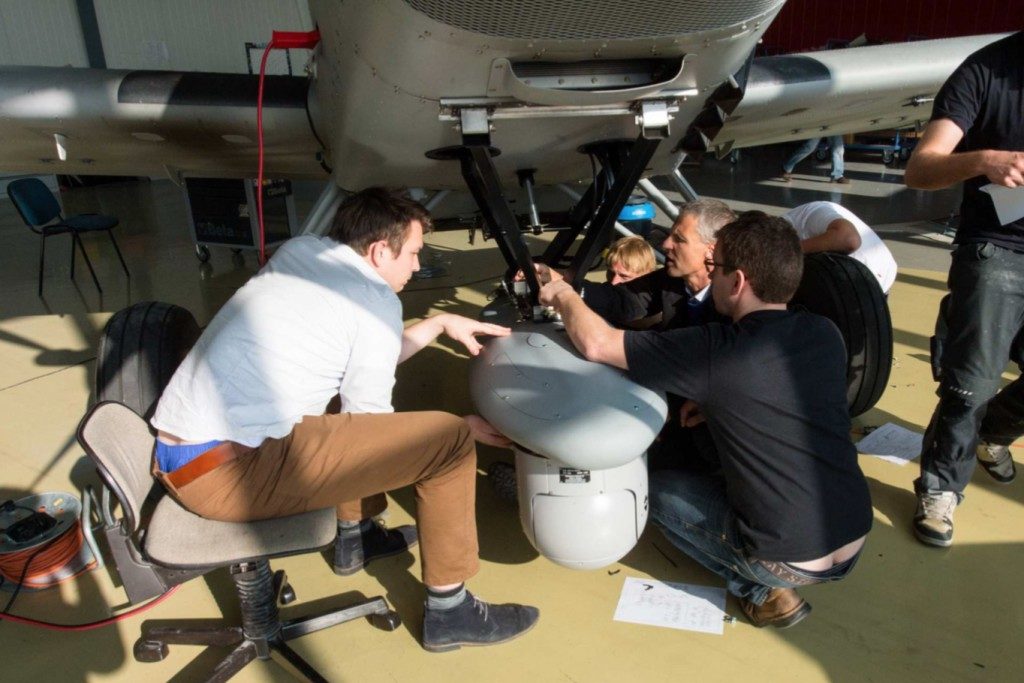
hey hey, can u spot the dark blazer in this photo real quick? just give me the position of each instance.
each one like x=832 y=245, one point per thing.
x=655 y=298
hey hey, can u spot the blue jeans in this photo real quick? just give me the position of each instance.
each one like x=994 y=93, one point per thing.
x=835 y=145
x=984 y=321
x=694 y=514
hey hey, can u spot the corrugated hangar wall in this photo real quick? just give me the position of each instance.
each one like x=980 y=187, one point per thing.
x=186 y=35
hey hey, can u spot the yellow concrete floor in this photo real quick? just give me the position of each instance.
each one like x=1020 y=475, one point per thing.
x=907 y=612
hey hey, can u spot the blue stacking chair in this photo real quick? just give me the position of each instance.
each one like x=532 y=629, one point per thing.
x=41 y=212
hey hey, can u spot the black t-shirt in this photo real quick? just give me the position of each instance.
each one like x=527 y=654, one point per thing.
x=985 y=98
x=653 y=294
x=773 y=390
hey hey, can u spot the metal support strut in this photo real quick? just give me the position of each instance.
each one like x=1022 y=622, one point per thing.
x=526 y=180
x=482 y=178
x=622 y=164
x=603 y=222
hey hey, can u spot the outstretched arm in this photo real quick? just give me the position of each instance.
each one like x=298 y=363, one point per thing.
x=934 y=164
x=460 y=328
x=840 y=236
x=590 y=334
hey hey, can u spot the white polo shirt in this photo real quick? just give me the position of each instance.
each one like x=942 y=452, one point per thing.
x=316 y=321
x=810 y=220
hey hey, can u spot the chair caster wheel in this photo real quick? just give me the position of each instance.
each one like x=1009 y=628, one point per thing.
x=388 y=621
x=149 y=650
x=282 y=589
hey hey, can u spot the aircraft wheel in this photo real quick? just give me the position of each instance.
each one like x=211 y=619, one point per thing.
x=140 y=349
x=888 y=157
x=202 y=253
x=847 y=293
x=822 y=153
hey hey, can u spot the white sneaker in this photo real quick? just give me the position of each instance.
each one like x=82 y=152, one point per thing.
x=997 y=461
x=933 y=521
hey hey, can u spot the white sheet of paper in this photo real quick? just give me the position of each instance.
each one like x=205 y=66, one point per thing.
x=893 y=443
x=1009 y=201
x=674 y=605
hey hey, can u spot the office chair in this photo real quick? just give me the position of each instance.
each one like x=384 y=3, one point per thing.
x=41 y=213
x=175 y=545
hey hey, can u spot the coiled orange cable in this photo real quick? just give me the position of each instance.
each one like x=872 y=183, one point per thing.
x=44 y=569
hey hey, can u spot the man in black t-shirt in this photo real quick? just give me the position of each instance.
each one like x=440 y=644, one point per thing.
x=672 y=297
x=791 y=506
x=976 y=135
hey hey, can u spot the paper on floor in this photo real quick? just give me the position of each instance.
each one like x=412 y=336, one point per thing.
x=674 y=605
x=893 y=443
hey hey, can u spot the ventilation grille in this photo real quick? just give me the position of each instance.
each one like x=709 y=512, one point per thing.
x=590 y=19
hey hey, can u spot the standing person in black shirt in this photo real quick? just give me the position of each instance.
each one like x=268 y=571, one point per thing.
x=790 y=506
x=976 y=135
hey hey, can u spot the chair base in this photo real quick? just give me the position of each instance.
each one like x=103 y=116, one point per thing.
x=152 y=646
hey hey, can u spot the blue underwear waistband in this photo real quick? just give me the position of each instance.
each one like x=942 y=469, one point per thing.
x=170 y=457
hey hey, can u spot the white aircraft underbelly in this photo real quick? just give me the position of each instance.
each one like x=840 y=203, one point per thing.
x=387 y=75
x=391 y=79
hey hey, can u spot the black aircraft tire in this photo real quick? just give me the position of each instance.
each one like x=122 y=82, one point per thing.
x=847 y=293
x=140 y=349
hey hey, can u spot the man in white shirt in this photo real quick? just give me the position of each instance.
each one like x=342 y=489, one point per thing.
x=242 y=433
x=827 y=226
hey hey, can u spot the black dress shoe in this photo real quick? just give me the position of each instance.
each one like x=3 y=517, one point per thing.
x=475 y=622
x=352 y=553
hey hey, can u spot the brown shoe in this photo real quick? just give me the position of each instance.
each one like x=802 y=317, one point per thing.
x=783 y=608
x=786 y=176
x=842 y=180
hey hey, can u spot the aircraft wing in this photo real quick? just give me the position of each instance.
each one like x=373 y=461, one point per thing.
x=799 y=96
x=152 y=123
x=203 y=124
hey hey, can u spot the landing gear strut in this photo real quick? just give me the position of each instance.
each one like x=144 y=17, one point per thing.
x=622 y=163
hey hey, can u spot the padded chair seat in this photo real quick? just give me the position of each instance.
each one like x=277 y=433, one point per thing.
x=90 y=221
x=56 y=229
x=179 y=538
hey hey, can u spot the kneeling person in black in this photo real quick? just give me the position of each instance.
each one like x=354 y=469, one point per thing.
x=791 y=506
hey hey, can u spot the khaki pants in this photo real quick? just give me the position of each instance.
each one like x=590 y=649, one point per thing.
x=348 y=461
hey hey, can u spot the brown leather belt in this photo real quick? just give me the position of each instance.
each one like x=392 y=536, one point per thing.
x=205 y=462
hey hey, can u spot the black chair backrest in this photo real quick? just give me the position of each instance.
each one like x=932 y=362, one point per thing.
x=34 y=201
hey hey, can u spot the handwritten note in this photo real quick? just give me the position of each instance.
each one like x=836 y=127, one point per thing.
x=893 y=443
x=673 y=605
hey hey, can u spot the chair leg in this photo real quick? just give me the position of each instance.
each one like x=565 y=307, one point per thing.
x=42 y=259
x=296 y=628
x=233 y=663
x=92 y=272
x=292 y=662
x=110 y=234
x=222 y=636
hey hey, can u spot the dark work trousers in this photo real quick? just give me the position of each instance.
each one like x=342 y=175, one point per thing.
x=984 y=321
